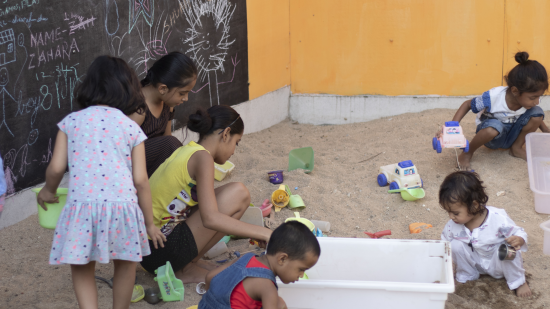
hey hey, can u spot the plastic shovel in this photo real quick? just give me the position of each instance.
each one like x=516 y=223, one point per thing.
x=410 y=194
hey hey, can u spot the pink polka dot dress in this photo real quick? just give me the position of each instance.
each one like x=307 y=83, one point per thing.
x=102 y=219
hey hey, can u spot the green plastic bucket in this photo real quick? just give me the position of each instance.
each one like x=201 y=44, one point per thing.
x=301 y=158
x=171 y=288
x=48 y=219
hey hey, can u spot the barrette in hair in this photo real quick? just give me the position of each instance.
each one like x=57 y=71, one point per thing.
x=230 y=125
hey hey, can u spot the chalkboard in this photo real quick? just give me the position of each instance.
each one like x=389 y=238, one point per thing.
x=47 y=46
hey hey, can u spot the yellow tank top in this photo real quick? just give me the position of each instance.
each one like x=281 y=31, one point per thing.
x=172 y=189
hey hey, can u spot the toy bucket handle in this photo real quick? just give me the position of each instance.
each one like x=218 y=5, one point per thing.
x=288 y=190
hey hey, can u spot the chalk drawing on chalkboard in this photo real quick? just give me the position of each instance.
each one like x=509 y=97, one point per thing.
x=110 y=14
x=208 y=38
x=33 y=136
x=4 y=79
x=145 y=8
x=154 y=47
x=7 y=47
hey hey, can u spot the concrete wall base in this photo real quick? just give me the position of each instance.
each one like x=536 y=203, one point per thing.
x=320 y=109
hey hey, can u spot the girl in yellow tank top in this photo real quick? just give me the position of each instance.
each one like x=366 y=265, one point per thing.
x=173 y=190
x=190 y=212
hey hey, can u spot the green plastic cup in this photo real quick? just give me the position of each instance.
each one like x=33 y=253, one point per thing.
x=48 y=218
x=296 y=201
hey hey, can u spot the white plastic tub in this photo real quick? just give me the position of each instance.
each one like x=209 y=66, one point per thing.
x=538 y=165
x=545 y=226
x=375 y=273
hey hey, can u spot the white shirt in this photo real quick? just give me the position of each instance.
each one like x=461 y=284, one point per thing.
x=492 y=105
x=488 y=237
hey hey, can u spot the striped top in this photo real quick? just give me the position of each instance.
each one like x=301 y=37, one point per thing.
x=154 y=127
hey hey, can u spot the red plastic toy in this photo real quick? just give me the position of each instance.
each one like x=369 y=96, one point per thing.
x=379 y=234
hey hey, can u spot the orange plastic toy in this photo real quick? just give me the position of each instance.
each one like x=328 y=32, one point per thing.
x=418 y=227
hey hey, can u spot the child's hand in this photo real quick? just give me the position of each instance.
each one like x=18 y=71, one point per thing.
x=281 y=304
x=45 y=196
x=515 y=241
x=156 y=236
x=260 y=243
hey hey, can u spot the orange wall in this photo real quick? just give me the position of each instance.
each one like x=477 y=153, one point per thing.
x=391 y=47
x=398 y=47
x=268 y=45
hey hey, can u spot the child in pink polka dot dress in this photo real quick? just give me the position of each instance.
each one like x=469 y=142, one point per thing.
x=108 y=214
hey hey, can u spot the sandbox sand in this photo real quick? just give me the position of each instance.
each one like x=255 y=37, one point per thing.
x=339 y=190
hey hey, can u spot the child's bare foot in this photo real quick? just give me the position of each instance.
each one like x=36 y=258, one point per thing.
x=206 y=265
x=518 y=152
x=523 y=290
x=192 y=273
x=464 y=161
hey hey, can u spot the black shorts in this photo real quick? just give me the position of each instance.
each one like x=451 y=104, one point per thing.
x=179 y=249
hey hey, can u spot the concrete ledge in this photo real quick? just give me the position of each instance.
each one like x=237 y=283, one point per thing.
x=266 y=111
x=332 y=109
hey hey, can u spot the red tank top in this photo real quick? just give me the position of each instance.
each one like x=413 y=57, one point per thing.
x=239 y=298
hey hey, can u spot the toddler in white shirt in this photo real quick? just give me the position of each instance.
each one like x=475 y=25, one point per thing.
x=476 y=231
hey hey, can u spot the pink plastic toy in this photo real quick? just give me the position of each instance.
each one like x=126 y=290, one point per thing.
x=266 y=208
x=451 y=137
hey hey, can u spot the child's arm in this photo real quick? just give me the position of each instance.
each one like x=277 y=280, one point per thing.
x=264 y=290
x=141 y=182
x=281 y=304
x=518 y=240
x=168 y=130
x=55 y=171
x=201 y=165
x=514 y=235
x=543 y=127
x=460 y=113
x=462 y=110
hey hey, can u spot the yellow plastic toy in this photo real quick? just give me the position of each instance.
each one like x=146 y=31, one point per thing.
x=304 y=221
x=280 y=198
x=137 y=294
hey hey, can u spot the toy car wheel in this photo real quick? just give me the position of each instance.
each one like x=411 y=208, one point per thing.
x=382 y=180
x=438 y=147
x=394 y=186
x=467 y=148
x=434 y=142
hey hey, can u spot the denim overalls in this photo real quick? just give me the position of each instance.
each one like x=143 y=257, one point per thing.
x=221 y=286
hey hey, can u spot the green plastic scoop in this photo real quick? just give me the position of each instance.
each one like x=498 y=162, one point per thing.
x=410 y=194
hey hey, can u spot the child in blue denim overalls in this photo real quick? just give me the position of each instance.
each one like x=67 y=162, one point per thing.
x=249 y=282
